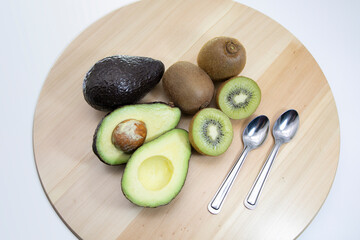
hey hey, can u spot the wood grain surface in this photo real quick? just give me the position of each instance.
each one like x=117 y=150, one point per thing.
x=86 y=193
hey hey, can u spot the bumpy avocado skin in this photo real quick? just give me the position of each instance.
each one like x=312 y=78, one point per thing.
x=120 y=80
x=94 y=147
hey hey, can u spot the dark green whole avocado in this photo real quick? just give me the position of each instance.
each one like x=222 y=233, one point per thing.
x=120 y=80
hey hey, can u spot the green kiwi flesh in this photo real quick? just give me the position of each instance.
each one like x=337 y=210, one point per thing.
x=210 y=132
x=238 y=97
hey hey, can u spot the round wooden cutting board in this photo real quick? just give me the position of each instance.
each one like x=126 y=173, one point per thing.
x=86 y=193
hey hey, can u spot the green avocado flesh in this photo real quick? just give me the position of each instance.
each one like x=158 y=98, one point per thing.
x=157 y=170
x=158 y=117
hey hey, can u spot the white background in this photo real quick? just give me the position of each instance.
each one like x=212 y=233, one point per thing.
x=33 y=35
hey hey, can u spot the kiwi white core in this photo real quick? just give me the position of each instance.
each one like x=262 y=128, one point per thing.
x=212 y=131
x=240 y=98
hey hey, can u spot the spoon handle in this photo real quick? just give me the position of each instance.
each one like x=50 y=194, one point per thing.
x=255 y=191
x=216 y=203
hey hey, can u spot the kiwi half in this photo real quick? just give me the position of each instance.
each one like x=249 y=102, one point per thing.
x=210 y=132
x=238 y=97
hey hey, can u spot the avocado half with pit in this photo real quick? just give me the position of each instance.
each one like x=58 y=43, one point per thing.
x=158 y=118
x=156 y=172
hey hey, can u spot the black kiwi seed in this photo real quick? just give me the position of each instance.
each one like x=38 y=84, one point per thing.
x=205 y=127
x=238 y=91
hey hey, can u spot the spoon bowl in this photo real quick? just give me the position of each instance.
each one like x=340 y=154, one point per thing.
x=286 y=126
x=256 y=132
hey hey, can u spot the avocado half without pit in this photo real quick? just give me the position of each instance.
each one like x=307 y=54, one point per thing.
x=156 y=172
x=156 y=118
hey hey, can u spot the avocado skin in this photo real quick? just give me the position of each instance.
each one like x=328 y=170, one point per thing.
x=94 y=148
x=120 y=80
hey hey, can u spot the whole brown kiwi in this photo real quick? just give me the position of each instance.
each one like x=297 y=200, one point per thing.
x=222 y=58
x=188 y=86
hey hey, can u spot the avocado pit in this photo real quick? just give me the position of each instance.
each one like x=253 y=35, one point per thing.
x=129 y=134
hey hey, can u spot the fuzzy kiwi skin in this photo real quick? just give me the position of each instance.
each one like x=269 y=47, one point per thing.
x=222 y=58
x=188 y=86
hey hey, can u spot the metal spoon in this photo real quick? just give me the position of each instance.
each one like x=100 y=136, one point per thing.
x=253 y=136
x=284 y=130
